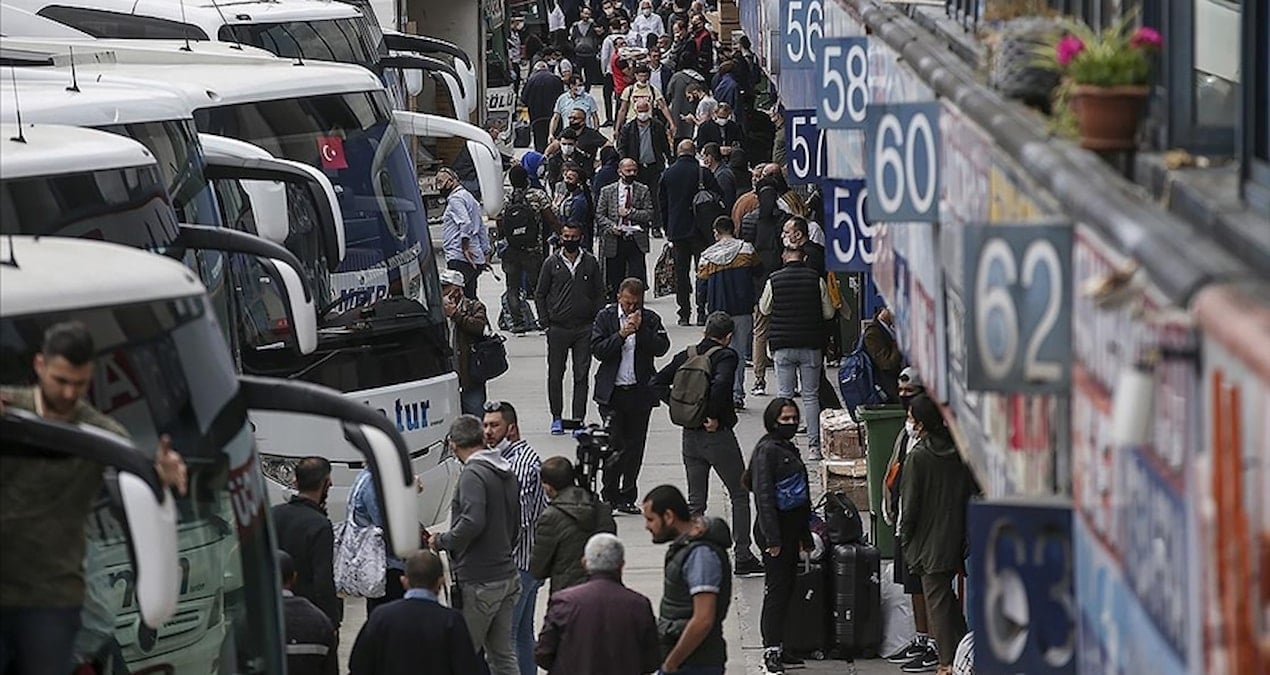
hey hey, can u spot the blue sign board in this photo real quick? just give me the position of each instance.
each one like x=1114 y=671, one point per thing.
x=1022 y=588
x=902 y=156
x=848 y=233
x=1018 y=307
x=802 y=26
x=843 y=81
x=806 y=160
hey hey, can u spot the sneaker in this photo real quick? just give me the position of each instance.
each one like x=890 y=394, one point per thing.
x=557 y=427
x=772 y=661
x=738 y=404
x=928 y=662
x=683 y=321
x=629 y=509
x=749 y=362
x=658 y=234
x=748 y=567
x=759 y=390
x=815 y=455
x=915 y=648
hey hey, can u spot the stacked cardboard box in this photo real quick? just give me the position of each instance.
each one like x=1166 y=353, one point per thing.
x=845 y=465
x=725 y=21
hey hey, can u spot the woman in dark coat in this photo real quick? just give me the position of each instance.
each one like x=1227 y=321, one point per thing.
x=778 y=479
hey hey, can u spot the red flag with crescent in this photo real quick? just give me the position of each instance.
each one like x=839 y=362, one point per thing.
x=331 y=148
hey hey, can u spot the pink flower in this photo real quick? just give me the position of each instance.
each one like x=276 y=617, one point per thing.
x=1146 y=37
x=1068 y=48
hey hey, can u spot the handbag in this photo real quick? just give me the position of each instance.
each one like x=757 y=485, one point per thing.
x=791 y=492
x=664 y=272
x=706 y=207
x=359 y=557
x=488 y=358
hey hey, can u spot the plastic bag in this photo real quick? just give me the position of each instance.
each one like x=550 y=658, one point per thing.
x=898 y=628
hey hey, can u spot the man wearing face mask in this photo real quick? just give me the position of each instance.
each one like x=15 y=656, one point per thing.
x=643 y=90
x=646 y=24
x=644 y=141
x=623 y=218
x=795 y=234
x=586 y=46
x=712 y=159
x=464 y=235
x=305 y=533
x=608 y=52
x=570 y=291
x=574 y=98
x=567 y=150
x=722 y=129
x=704 y=43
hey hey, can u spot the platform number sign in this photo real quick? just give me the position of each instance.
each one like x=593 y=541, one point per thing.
x=850 y=234
x=844 y=82
x=1018 y=307
x=1022 y=591
x=805 y=155
x=902 y=156
x=802 y=26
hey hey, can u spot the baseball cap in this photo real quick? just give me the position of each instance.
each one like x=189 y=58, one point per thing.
x=452 y=278
x=911 y=377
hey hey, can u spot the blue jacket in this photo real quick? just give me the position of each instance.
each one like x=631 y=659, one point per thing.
x=728 y=270
x=678 y=186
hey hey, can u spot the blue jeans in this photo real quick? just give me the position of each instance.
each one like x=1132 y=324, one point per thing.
x=38 y=640
x=523 y=623
x=472 y=399
x=742 y=342
x=800 y=369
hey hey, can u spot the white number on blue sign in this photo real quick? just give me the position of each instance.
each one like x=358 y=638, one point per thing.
x=844 y=83
x=850 y=235
x=903 y=147
x=803 y=26
x=805 y=147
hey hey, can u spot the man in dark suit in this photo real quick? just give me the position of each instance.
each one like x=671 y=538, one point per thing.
x=678 y=187
x=415 y=634
x=625 y=338
x=312 y=635
x=305 y=533
x=539 y=95
x=644 y=140
x=623 y=217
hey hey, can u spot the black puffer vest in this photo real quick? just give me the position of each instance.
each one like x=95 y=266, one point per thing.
x=796 y=315
x=676 y=599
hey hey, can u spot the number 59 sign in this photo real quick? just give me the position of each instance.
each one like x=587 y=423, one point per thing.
x=902 y=156
x=1018 y=307
x=849 y=237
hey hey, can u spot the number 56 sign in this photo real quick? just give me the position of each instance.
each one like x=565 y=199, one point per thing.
x=1018 y=307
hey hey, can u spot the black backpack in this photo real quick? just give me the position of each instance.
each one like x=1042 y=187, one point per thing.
x=521 y=224
x=842 y=519
x=706 y=208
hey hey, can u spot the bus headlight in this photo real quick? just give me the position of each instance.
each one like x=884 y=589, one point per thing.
x=280 y=470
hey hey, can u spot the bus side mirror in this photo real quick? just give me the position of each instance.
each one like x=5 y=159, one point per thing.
x=158 y=573
x=301 y=312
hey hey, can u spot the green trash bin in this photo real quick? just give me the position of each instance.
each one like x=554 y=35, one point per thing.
x=882 y=425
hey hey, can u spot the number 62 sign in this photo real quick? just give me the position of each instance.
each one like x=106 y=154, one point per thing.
x=1018 y=307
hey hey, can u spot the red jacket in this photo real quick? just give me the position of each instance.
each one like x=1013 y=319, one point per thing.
x=598 y=627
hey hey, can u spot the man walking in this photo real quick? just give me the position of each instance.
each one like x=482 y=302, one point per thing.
x=728 y=269
x=625 y=338
x=463 y=231
x=305 y=533
x=484 y=523
x=713 y=443
x=600 y=626
x=542 y=90
x=502 y=432
x=310 y=635
x=570 y=291
x=797 y=301
x=644 y=141
x=712 y=159
x=526 y=223
x=573 y=515
x=679 y=184
x=697 y=587
x=415 y=634
x=623 y=217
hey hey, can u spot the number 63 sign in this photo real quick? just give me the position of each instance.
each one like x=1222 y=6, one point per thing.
x=1018 y=307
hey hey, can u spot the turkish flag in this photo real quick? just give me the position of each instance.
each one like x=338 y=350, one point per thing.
x=331 y=148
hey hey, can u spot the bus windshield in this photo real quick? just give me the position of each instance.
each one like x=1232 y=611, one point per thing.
x=339 y=40
x=163 y=368
x=352 y=138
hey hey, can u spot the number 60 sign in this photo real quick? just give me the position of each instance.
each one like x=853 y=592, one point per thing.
x=902 y=156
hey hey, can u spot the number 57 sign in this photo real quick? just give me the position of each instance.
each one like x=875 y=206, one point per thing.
x=1018 y=307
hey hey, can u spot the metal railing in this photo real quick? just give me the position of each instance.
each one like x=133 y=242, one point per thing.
x=1096 y=13
x=965 y=12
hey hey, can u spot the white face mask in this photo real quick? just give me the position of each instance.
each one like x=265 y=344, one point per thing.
x=644 y=116
x=647 y=11
x=720 y=121
x=566 y=149
x=910 y=428
x=503 y=445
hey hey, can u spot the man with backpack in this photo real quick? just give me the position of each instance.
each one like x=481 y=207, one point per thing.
x=688 y=225
x=525 y=224
x=697 y=384
x=625 y=338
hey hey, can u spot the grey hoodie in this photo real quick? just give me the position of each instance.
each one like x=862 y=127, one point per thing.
x=484 y=520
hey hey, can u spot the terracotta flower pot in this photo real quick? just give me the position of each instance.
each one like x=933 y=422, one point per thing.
x=1108 y=116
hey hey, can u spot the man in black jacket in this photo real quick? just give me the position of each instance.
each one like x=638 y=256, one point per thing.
x=307 y=628
x=570 y=291
x=679 y=184
x=625 y=338
x=415 y=634
x=539 y=95
x=305 y=533
x=714 y=445
x=643 y=139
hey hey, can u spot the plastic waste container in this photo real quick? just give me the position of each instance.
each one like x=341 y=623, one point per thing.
x=882 y=424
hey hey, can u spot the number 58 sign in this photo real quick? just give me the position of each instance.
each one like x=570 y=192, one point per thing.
x=1018 y=307
x=843 y=82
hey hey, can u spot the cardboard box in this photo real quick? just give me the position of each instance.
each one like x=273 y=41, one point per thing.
x=841 y=438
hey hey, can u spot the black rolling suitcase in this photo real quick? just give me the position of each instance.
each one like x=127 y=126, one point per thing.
x=857 y=600
x=806 y=624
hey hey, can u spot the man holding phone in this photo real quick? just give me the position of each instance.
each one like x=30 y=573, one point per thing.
x=625 y=338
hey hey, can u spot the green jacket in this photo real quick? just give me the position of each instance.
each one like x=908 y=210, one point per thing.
x=563 y=530
x=934 y=491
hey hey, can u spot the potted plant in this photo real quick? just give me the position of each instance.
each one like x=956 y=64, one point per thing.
x=1108 y=72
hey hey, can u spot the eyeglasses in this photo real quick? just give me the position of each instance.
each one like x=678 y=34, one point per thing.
x=496 y=406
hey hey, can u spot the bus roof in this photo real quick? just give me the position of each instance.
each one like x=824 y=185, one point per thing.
x=209 y=74
x=206 y=15
x=43 y=96
x=52 y=149
x=57 y=274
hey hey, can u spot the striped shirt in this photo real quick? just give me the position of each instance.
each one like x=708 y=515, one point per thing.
x=528 y=469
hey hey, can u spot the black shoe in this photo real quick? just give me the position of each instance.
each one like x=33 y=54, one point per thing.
x=748 y=567
x=772 y=664
x=683 y=321
x=928 y=662
x=701 y=319
x=915 y=648
x=658 y=234
x=606 y=123
x=629 y=509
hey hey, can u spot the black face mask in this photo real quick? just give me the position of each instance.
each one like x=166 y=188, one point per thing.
x=571 y=245
x=575 y=124
x=786 y=431
x=907 y=400
x=628 y=179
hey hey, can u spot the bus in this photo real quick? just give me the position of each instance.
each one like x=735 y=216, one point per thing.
x=163 y=367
